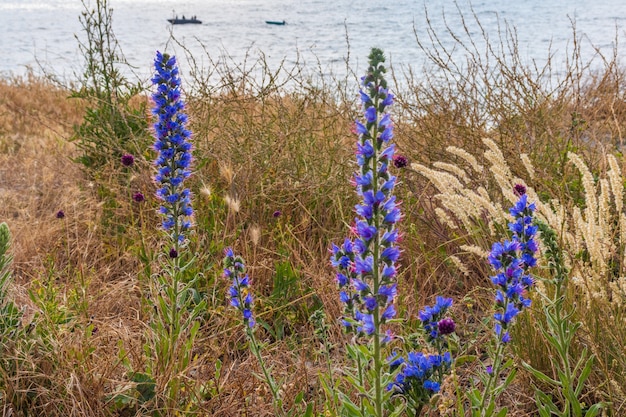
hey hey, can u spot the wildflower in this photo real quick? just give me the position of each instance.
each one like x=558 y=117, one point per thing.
x=60 y=214
x=511 y=259
x=277 y=213
x=239 y=292
x=173 y=253
x=519 y=190
x=138 y=197
x=367 y=262
x=400 y=161
x=419 y=377
x=128 y=160
x=172 y=144
x=431 y=317
x=446 y=326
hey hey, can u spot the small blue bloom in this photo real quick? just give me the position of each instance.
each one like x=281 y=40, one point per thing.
x=239 y=292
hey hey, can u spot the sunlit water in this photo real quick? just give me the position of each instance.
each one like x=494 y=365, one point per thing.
x=320 y=34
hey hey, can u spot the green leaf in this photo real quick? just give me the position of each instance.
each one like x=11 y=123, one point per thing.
x=546 y=403
x=461 y=360
x=584 y=375
x=540 y=375
x=351 y=408
x=299 y=398
x=502 y=412
x=594 y=410
x=506 y=382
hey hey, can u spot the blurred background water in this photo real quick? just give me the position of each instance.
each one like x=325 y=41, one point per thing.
x=320 y=34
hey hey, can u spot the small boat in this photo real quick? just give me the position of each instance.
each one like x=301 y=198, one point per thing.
x=184 y=21
x=275 y=22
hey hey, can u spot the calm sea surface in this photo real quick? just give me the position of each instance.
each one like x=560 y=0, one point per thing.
x=43 y=35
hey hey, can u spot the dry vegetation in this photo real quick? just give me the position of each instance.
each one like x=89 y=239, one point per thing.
x=272 y=168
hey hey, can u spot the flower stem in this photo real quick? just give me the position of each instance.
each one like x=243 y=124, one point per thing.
x=268 y=378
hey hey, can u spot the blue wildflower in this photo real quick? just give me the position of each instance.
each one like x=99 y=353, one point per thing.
x=431 y=317
x=172 y=143
x=419 y=377
x=372 y=267
x=512 y=259
x=239 y=292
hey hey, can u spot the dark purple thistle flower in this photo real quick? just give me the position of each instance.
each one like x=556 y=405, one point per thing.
x=138 y=197
x=172 y=143
x=400 y=161
x=128 y=160
x=60 y=214
x=446 y=326
x=519 y=190
x=173 y=253
x=277 y=213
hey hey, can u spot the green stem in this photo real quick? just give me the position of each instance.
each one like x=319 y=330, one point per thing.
x=377 y=365
x=495 y=370
x=376 y=273
x=330 y=374
x=268 y=378
x=361 y=382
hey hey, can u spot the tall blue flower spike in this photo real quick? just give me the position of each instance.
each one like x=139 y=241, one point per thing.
x=365 y=262
x=173 y=147
x=511 y=260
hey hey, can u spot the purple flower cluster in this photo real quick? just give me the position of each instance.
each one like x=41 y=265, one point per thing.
x=511 y=259
x=418 y=378
x=366 y=272
x=239 y=292
x=172 y=144
x=434 y=320
x=127 y=160
x=400 y=161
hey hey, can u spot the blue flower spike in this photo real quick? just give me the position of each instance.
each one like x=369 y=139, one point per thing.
x=365 y=263
x=511 y=260
x=174 y=148
x=239 y=292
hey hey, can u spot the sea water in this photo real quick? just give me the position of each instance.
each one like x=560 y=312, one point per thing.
x=329 y=36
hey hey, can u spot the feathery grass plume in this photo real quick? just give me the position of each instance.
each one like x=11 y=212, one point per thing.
x=174 y=148
x=366 y=271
